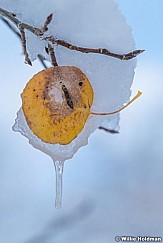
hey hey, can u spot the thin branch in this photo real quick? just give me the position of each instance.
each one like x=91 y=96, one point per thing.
x=11 y=27
x=102 y=51
x=41 y=33
x=18 y=23
x=15 y=31
x=10 y=16
x=47 y=22
x=42 y=60
x=22 y=34
x=52 y=55
x=108 y=130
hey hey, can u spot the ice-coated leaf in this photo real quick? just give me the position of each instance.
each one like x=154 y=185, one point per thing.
x=95 y=24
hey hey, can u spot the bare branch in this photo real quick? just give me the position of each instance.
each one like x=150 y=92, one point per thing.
x=14 y=30
x=42 y=60
x=47 y=22
x=22 y=34
x=41 y=33
x=108 y=130
x=11 y=27
x=18 y=23
x=10 y=16
x=52 y=55
x=102 y=51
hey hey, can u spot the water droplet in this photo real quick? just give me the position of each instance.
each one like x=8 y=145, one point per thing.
x=59 y=178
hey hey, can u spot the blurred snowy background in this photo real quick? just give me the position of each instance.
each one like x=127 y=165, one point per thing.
x=113 y=186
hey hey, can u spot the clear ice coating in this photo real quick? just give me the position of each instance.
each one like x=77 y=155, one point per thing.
x=96 y=24
x=59 y=178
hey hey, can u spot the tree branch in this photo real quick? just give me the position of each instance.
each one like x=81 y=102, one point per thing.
x=16 y=32
x=102 y=51
x=22 y=35
x=41 y=33
x=52 y=55
x=42 y=60
x=108 y=130
x=11 y=27
x=47 y=22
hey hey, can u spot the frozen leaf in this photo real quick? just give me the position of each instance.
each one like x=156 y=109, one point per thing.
x=92 y=24
x=95 y=24
x=56 y=103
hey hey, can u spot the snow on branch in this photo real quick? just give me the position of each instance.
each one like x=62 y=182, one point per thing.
x=41 y=33
x=20 y=36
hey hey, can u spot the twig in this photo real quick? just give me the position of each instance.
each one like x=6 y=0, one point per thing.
x=11 y=27
x=42 y=60
x=52 y=55
x=102 y=51
x=108 y=130
x=47 y=22
x=41 y=33
x=22 y=34
x=10 y=16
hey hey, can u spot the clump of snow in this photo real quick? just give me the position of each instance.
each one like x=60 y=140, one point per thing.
x=96 y=24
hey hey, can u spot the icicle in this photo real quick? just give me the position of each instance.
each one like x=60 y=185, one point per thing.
x=59 y=177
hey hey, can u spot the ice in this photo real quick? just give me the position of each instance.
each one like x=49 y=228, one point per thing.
x=59 y=179
x=57 y=152
x=96 y=24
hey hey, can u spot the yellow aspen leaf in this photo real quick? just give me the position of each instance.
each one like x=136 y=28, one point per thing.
x=56 y=103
